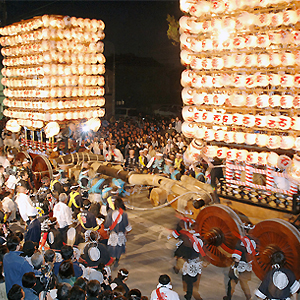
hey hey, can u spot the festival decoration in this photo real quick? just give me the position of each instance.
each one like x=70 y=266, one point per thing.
x=53 y=71
x=242 y=82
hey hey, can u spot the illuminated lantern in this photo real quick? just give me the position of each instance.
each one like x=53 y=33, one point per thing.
x=262 y=80
x=248 y=120
x=250 y=138
x=284 y=122
x=287 y=142
x=228 y=61
x=251 y=100
x=252 y=158
x=241 y=155
x=290 y=17
x=227 y=119
x=219 y=99
x=194 y=150
x=272 y=122
x=295 y=123
x=237 y=100
x=94 y=124
x=187 y=96
x=188 y=129
x=222 y=152
x=219 y=135
x=274 y=142
x=263 y=60
x=251 y=60
x=284 y=162
x=199 y=133
x=12 y=125
x=229 y=137
x=260 y=121
x=286 y=101
x=296 y=102
x=275 y=59
x=262 y=101
x=288 y=59
x=51 y=129
x=274 y=101
x=263 y=20
x=197 y=115
x=274 y=79
x=207 y=117
x=237 y=119
x=297 y=144
x=262 y=140
x=231 y=154
x=188 y=113
x=210 y=151
x=294 y=169
x=198 y=98
x=186 y=57
x=209 y=135
x=287 y=80
x=262 y=158
x=239 y=137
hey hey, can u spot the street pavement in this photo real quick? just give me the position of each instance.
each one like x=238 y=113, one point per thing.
x=149 y=254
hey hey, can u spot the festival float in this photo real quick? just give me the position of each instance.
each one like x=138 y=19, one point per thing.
x=53 y=75
x=241 y=106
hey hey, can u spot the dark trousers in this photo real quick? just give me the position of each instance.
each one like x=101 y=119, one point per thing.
x=191 y=286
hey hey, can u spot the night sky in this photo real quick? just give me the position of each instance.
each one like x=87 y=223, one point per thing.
x=137 y=27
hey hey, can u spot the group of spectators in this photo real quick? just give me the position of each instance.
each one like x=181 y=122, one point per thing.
x=46 y=262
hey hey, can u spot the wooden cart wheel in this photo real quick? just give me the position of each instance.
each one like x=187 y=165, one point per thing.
x=220 y=228
x=274 y=235
x=41 y=167
x=23 y=155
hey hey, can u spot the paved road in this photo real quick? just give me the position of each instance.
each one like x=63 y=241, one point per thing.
x=150 y=253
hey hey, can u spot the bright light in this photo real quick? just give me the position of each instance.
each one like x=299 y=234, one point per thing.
x=223 y=36
x=85 y=128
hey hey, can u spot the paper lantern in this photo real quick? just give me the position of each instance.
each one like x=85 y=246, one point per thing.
x=296 y=102
x=287 y=142
x=210 y=151
x=227 y=119
x=241 y=155
x=188 y=129
x=251 y=60
x=252 y=158
x=209 y=135
x=51 y=129
x=274 y=79
x=275 y=59
x=198 y=98
x=290 y=17
x=288 y=59
x=219 y=135
x=239 y=137
x=262 y=101
x=263 y=60
x=284 y=122
x=94 y=124
x=251 y=100
x=286 y=101
x=262 y=140
x=199 y=132
x=231 y=154
x=274 y=100
x=297 y=144
x=274 y=142
x=187 y=95
x=229 y=137
x=262 y=158
x=12 y=125
x=260 y=121
x=287 y=80
x=293 y=170
x=250 y=138
x=237 y=119
x=188 y=113
x=237 y=100
x=222 y=152
x=295 y=123
x=272 y=122
x=284 y=162
x=248 y=120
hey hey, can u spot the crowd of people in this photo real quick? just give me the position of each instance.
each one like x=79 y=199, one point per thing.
x=70 y=243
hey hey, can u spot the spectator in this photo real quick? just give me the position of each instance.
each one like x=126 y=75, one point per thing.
x=14 y=265
x=63 y=290
x=33 y=232
x=164 y=287
x=66 y=272
x=29 y=281
x=16 y=293
x=76 y=293
x=120 y=280
x=93 y=289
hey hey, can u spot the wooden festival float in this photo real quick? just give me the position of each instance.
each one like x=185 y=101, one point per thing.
x=241 y=105
x=53 y=75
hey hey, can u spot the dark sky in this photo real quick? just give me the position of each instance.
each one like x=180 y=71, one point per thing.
x=137 y=27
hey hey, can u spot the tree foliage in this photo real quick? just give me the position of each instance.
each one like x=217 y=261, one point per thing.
x=173 y=30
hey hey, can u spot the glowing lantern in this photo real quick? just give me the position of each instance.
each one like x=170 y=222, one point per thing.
x=13 y=126
x=94 y=124
x=51 y=129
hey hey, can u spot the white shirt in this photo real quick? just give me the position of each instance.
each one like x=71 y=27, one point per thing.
x=8 y=205
x=63 y=213
x=24 y=205
x=4 y=162
x=166 y=293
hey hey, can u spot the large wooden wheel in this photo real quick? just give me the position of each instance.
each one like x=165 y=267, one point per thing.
x=23 y=155
x=41 y=167
x=274 y=235
x=220 y=228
